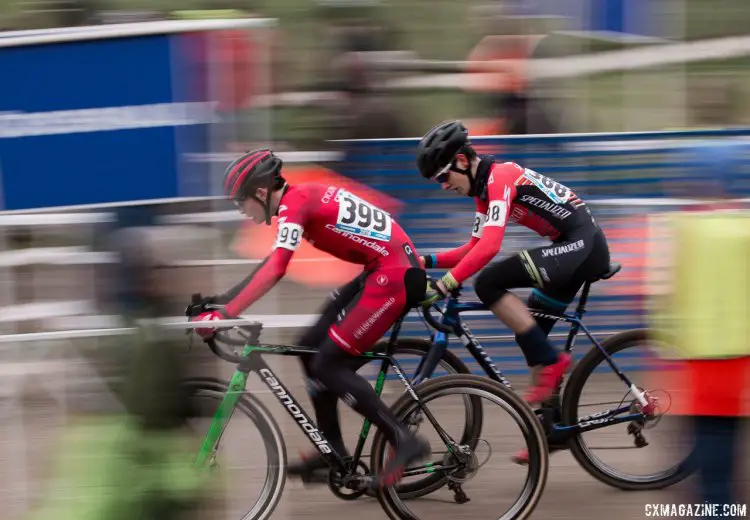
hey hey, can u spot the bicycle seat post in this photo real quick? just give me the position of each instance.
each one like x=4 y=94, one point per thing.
x=581 y=307
x=395 y=330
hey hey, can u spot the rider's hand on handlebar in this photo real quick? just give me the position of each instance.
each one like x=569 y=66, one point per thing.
x=439 y=289
x=435 y=292
x=200 y=309
x=208 y=316
x=198 y=305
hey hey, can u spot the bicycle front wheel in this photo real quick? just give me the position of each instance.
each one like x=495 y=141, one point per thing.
x=448 y=364
x=462 y=463
x=250 y=450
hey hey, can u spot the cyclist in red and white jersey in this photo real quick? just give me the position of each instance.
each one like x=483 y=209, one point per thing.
x=392 y=281
x=507 y=192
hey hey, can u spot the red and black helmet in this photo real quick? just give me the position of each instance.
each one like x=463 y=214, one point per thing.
x=254 y=170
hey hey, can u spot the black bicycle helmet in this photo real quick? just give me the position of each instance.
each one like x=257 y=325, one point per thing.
x=439 y=147
x=256 y=169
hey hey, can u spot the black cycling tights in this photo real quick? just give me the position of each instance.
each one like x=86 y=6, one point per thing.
x=336 y=370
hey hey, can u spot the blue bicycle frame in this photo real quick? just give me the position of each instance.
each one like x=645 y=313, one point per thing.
x=452 y=321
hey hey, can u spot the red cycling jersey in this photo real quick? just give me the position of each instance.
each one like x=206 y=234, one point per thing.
x=351 y=229
x=517 y=194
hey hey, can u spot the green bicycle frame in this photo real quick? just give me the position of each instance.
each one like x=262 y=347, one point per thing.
x=251 y=361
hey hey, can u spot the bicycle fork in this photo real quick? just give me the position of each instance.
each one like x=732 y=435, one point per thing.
x=210 y=445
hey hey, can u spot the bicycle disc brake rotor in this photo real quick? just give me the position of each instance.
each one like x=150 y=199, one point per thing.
x=657 y=406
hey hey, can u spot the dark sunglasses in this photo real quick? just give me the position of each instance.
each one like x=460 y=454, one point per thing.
x=442 y=175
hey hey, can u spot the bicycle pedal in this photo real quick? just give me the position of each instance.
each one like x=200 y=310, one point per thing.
x=313 y=478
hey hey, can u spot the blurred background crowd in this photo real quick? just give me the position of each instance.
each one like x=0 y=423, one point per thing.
x=326 y=72
x=375 y=69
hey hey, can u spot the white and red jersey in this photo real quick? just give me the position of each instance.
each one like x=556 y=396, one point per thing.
x=513 y=193
x=332 y=220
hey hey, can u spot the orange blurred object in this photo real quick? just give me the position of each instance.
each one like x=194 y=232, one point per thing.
x=498 y=63
x=715 y=387
x=628 y=245
x=309 y=266
x=483 y=127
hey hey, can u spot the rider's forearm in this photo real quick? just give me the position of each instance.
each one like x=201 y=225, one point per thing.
x=479 y=256
x=449 y=259
x=231 y=294
x=259 y=283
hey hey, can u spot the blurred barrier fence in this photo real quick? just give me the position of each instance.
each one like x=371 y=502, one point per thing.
x=623 y=177
x=130 y=102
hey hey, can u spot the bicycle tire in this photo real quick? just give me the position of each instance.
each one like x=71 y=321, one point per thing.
x=474 y=417
x=392 y=502
x=571 y=396
x=273 y=441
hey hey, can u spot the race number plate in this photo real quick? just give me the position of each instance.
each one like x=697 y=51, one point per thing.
x=359 y=217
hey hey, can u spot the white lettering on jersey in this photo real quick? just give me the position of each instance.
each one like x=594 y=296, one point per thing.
x=359 y=217
x=289 y=236
x=506 y=194
x=479 y=220
x=549 y=207
x=561 y=250
x=359 y=240
x=328 y=194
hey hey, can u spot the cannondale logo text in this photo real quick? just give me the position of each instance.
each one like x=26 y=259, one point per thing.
x=359 y=240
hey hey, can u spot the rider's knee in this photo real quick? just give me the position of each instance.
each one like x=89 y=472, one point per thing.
x=494 y=281
x=488 y=290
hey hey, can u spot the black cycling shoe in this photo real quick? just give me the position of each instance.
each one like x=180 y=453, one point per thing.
x=310 y=469
x=409 y=449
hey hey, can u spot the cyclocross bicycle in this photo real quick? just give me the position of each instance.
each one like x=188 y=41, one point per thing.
x=350 y=477
x=561 y=420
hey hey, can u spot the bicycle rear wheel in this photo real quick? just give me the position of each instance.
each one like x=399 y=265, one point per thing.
x=206 y=396
x=586 y=377
x=460 y=463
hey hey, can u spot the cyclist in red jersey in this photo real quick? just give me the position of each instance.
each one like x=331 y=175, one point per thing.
x=392 y=281
x=507 y=192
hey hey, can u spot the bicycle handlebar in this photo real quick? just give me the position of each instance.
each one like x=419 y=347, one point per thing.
x=221 y=337
x=250 y=333
x=447 y=329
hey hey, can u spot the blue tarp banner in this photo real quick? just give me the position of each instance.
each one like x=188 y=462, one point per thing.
x=103 y=120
